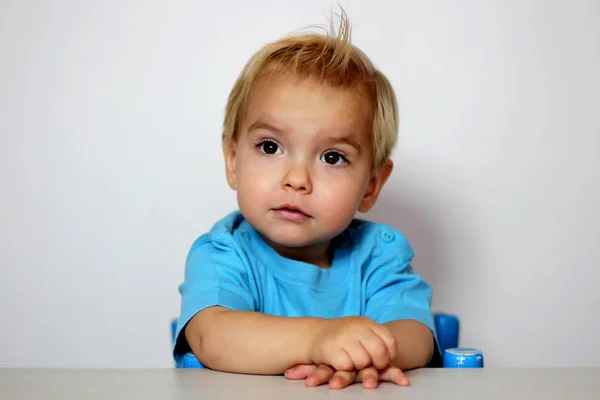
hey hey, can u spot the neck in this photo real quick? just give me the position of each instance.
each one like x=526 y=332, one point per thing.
x=319 y=254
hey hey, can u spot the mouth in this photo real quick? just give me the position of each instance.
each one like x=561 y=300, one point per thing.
x=290 y=211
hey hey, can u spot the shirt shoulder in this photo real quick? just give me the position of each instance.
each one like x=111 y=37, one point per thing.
x=224 y=232
x=375 y=239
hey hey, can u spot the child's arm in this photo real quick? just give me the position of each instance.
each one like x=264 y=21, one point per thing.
x=249 y=342
x=255 y=343
x=415 y=344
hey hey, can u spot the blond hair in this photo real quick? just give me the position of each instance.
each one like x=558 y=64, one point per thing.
x=331 y=58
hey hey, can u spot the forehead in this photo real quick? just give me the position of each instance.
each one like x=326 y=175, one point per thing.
x=306 y=105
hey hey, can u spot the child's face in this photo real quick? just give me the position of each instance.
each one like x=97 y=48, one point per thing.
x=302 y=160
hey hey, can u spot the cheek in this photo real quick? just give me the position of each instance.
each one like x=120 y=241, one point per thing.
x=342 y=190
x=254 y=176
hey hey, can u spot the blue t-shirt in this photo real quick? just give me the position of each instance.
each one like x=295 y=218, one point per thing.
x=232 y=266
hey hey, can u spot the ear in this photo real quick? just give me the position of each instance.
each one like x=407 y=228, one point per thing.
x=376 y=182
x=229 y=152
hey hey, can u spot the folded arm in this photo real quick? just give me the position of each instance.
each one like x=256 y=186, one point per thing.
x=249 y=342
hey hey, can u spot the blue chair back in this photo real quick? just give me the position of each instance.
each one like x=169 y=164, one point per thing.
x=447 y=327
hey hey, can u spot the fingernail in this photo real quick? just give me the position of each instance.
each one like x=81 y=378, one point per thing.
x=370 y=384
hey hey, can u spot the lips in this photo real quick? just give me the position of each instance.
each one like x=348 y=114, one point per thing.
x=291 y=211
x=291 y=208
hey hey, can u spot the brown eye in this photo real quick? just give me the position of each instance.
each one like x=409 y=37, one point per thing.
x=269 y=147
x=333 y=158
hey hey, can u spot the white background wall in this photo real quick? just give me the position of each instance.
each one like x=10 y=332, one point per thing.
x=110 y=165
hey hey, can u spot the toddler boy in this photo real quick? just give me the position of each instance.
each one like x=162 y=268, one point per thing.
x=292 y=283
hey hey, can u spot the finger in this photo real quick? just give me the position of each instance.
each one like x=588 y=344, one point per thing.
x=359 y=356
x=300 y=371
x=341 y=379
x=322 y=374
x=369 y=378
x=342 y=361
x=386 y=334
x=394 y=375
x=377 y=349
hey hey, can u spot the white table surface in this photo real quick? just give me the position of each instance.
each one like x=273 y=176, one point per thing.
x=464 y=384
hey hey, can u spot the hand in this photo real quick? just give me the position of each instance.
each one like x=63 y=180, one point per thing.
x=370 y=377
x=353 y=343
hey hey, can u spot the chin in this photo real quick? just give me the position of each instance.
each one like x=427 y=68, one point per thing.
x=296 y=239
x=291 y=235
x=291 y=241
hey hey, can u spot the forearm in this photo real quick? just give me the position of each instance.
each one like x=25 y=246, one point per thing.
x=250 y=342
x=415 y=344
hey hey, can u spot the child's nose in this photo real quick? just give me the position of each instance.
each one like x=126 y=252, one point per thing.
x=298 y=178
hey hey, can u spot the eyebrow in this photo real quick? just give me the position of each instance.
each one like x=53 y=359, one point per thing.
x=349 y=141
x=261 y=124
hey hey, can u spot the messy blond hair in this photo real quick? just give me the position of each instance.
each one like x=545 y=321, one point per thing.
x=332 y=59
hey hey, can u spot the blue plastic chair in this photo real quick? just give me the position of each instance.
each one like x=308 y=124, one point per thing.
x=447 y=328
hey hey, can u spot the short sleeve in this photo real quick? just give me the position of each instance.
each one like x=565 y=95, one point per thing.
x=393 y=290
x=215 y=275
